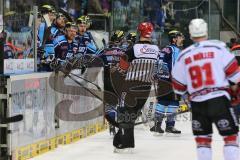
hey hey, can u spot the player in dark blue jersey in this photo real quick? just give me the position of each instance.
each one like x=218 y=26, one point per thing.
x=112 y=56
x=58 y=26
x=89 y=34
x=130 y=40
x=65 y=46
x=56 y=29
x=47 y=14
x=169 y=103
x=115 y=49
x=83 y=36
x=46 y=11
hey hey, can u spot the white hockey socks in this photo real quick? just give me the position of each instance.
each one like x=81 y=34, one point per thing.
x=231 y=148
x=204 y=150
x=204 y=153
x=231 y=153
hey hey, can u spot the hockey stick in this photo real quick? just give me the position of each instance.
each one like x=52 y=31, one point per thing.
x=80 y=84
x=153 y=119
x=47 y=32
x=66 y=74
x=65 y=13
x=131 y=125
x=97 y=86
x=12 y=119
x=99 y=52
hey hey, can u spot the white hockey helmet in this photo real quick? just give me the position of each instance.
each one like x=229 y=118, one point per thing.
x=198 y=28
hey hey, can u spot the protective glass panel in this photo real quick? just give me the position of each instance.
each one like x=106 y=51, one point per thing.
x=19 y=40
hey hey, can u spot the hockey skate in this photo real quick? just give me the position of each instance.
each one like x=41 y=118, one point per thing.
x=157 y=130
x=123 y=150
x=171 y=131
x=123 y=141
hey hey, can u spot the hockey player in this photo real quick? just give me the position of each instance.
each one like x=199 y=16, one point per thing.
x=45 y=47
x=130 y=40
x=57 y=28
x=51 y=14
x=83 y=36
x=204 y=70
x=169 y=103
x=236 y=50
x=235 y=98
x=88 y=25
x=65 y=46
x=131 y=37
x=115 y=49
x=112 y=54
x=235 y=91
x=136 y=87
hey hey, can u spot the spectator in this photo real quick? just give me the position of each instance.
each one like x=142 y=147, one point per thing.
x=8 y=50
x=105 y=6
x=100 y=6
x=13 y=47
x=28 y=50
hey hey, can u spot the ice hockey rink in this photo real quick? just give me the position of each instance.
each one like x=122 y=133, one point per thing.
x=148 y=146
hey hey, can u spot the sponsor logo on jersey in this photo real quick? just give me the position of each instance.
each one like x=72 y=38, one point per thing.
x=223 y=123
x=114 y=52
x=146 y=50
x=196 y=124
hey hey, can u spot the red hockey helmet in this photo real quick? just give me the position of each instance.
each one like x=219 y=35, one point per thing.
x=145 y=29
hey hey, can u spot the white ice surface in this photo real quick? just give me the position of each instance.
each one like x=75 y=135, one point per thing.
x=148 y=146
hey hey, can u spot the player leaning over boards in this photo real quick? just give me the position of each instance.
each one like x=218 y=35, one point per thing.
x=204 y=71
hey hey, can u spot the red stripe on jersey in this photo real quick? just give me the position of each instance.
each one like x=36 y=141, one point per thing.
x=232 y=68
x=178 y=86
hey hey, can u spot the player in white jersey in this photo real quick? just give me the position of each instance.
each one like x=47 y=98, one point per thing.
x=204 y=71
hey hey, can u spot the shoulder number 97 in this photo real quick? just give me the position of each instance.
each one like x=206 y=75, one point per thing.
x=201 y=75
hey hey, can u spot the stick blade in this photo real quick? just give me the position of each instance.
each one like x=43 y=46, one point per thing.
x=12 y=119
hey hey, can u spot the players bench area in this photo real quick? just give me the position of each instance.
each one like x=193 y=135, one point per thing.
x=48 y=108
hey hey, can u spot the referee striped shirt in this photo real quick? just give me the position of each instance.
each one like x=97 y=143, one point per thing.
x=142 y=57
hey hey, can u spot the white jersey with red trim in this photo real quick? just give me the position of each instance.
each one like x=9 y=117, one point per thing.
x=204 y=71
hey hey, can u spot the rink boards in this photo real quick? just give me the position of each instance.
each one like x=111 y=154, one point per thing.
x=41 y=147
x=39 y=97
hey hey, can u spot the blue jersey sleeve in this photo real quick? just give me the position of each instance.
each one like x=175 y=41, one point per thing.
x=167 y=57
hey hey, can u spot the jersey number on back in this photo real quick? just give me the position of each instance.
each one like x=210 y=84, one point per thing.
x=197 y=74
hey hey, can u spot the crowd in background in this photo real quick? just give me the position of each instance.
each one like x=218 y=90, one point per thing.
x=126 y=15
x=18 y=26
